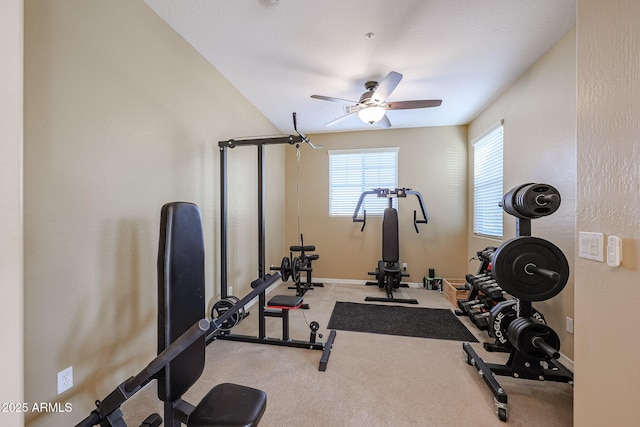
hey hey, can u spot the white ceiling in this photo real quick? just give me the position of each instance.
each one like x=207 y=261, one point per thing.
x=278 y=53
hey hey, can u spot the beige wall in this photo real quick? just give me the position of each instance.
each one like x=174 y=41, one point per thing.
x=121 y=116
x=11 y=234
x=608 y=201
x=431 y=161
x=539 y=112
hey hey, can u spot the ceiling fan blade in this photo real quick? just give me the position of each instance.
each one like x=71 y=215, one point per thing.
x=339 y=119
x=332 y=99
x=408 y=105
x=385 y=87
x=384 y=122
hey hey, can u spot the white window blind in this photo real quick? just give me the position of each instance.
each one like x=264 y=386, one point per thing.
x=487 y=183
x=351 y=172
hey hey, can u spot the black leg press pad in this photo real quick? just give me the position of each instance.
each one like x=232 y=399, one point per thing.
x=286 y=301
x=229 y=405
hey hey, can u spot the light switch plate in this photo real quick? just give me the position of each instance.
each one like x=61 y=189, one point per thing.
x=591 y=246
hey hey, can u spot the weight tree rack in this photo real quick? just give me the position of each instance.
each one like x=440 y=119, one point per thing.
x=263 y=312
x=530 y=269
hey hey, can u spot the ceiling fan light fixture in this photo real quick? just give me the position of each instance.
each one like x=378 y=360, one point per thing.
x=371 y=114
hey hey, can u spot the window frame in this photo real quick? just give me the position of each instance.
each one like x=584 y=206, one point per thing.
x=488 y=183
x=361 y=181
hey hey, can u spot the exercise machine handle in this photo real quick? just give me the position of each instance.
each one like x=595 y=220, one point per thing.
x=302 y=248
x=357 y=210
x=168 y=354
x=423 y=210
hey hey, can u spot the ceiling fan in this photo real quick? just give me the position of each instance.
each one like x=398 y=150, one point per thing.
x=372 y=106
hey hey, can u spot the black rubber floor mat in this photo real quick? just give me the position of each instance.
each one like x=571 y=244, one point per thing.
x=436 y=323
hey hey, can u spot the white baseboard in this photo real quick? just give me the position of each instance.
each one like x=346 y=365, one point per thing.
x=359 y=282
x=566 y=362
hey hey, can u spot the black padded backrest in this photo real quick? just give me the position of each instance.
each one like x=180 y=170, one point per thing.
x=390 y=244
x=180 y=295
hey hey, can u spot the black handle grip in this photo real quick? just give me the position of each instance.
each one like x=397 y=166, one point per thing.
x=302 y=248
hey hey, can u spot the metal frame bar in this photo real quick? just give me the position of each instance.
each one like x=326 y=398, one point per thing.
x=224 y=243
x=262 y=338
x=391 y=193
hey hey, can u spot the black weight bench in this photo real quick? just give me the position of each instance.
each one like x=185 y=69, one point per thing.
x=389 y=274
x=180 y=305
x=279 y=306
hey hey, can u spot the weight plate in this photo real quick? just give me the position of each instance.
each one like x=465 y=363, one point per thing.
x=523 y=330
x=530 y=201
x=512 y=263
x=502 y=314
x=221 y=307
x=537 y=200
x=380 y=274
x=314 y=326
x=295 y=269
x=241 y=313
x=285 y=269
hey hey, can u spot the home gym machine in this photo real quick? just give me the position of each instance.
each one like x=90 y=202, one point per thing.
x=279 y=305
x=530 y=269
x=181 y=338
x=388 y=274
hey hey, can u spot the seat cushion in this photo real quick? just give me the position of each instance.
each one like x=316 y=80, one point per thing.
x=229 y=405
x=285 y=301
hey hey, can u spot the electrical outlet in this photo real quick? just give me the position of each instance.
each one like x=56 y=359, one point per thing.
x=65 y=379
x=404 y=266
x=230 y=290
x=569 y=325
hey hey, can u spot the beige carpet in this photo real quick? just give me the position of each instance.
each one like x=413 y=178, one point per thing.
x=371 y=380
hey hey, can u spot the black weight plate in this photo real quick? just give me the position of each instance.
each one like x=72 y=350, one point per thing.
x=380 y=274
x=285 y=269
x=220 y=308
x=501 y=316
x=532 y=200
x=295 y=269
x=523 y=330
x=511 y=258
